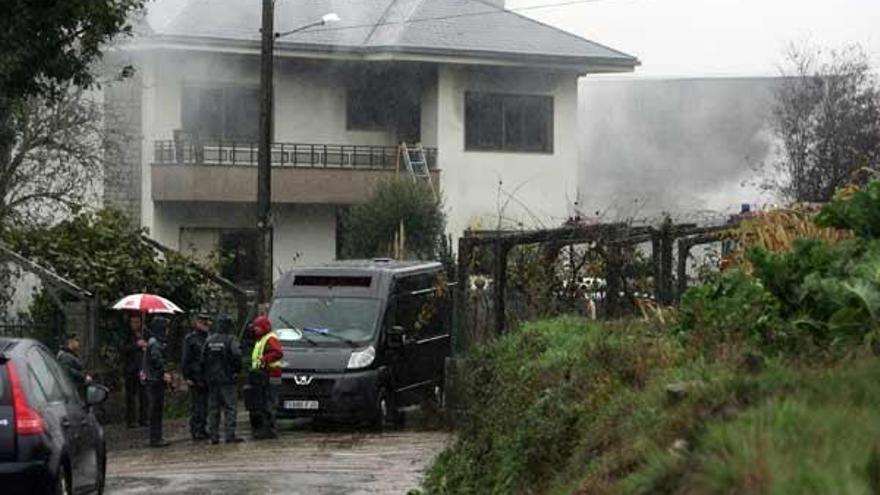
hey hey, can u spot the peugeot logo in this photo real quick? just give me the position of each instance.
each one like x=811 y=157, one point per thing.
x=302 y=379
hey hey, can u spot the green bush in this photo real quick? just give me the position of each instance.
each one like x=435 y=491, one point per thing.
x=733 y=307
x=369 y=229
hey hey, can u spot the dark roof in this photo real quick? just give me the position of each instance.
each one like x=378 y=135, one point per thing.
x=420 y=27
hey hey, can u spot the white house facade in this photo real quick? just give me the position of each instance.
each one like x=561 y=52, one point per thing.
x=490 y=95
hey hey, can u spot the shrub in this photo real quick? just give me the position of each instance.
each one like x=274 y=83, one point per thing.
x=369 y=229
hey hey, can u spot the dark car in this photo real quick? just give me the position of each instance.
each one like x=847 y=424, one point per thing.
x=362 y=339
x=50 y=441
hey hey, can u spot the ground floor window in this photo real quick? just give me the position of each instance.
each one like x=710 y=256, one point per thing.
x=508 y=122
x=237 y=250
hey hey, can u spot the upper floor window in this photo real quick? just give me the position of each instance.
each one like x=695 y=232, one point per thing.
x=507 y=122
x=366 y=110
x=223 y=113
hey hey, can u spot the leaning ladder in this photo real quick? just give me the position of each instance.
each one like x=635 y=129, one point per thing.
x=416 y=162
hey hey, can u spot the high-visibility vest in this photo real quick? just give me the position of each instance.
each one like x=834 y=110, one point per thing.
x=257 y=354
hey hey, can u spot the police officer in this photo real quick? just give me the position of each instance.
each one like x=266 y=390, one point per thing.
x=222 y=363
x=132 y=353
x=156 y=378
x=191 y=365
x=265 y=376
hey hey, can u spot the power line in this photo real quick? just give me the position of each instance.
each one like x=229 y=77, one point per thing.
x=458 y=16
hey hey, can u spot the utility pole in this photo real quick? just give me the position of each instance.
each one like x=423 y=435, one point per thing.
x=264 y=155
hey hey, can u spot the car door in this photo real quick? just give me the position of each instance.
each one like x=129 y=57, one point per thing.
x=50 y=400
x=7 y=419
x=78 y=413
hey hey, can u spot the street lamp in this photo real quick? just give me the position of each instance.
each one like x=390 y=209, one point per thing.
x=264 y=150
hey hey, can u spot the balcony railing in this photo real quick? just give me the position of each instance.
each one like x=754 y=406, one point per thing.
x=169 y=152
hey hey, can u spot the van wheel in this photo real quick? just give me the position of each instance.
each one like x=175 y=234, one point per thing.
x=386 y=414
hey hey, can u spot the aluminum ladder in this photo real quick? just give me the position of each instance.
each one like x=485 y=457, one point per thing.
x=416 y=162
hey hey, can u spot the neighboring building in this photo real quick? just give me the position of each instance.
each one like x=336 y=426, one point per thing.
x=687 y=146
x=491 y=94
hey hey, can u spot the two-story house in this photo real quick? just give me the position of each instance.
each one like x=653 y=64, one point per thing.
x=490 y=94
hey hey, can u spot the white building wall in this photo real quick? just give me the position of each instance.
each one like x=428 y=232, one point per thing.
x=303 y=234
x=528 y=189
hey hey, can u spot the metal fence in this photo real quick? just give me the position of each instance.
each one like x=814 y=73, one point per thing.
x=187 y=152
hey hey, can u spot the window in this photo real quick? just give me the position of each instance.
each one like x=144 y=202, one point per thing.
x=64 y=381
x=366 y=109
x=506 y=122
x=239 y=251
x=48 y=386
x=223 y=113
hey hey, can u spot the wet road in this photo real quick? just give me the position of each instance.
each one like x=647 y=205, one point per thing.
x=300 y=462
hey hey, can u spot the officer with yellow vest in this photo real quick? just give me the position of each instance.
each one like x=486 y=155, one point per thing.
x=265 y=377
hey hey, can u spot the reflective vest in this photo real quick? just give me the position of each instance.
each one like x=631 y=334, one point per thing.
x=257 y=354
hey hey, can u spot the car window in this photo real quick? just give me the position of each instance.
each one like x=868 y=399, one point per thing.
x=37 y=393
x=67 y=388
x=44 y=377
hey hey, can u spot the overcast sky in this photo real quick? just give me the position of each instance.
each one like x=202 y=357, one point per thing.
x=698 y=37
x=715 y=37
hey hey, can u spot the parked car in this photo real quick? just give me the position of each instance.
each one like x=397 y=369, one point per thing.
x=50 y=441
x=362 y=339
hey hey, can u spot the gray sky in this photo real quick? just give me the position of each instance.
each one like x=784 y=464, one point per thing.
x=715 y=37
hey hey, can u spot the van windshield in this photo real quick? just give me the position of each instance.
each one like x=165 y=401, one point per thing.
x=329 y=321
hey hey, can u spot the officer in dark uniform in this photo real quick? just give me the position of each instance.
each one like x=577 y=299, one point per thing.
x=156 y=378
x=68 y=358
x=222 y=363
x=191 y=365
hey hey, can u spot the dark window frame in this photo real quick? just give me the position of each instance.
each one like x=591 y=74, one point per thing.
x=237 y=268
x=504 y=105
x=355 y=121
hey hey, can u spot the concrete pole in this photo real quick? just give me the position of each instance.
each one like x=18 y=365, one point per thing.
x=264 y=155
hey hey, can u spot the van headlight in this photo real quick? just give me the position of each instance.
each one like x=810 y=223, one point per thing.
x=361 y=358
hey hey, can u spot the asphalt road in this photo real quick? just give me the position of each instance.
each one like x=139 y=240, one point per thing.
x=301 y=461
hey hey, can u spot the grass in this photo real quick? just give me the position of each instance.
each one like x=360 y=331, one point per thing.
x=568 y=406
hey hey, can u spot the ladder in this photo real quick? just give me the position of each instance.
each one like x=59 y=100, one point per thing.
x=416 y=163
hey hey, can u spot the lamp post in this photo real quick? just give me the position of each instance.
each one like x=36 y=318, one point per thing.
x=264 y=149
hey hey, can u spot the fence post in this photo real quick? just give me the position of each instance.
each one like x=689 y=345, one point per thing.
x=612 y=280
x=666 y=246
x=684 y=248
x=500 y=285
x=658 y=266
x=465 y=256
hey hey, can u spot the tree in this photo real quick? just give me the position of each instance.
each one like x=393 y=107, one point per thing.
x=827 y=117
x=369 y=228
x=46 y=48
x=58 y=150
x=54 y=43
x=103 y=252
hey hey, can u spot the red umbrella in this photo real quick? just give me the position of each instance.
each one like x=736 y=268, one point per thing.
x=147 y=303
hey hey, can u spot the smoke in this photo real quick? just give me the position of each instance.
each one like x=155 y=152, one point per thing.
x=682 y=146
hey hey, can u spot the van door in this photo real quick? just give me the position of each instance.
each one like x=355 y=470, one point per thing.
x=422 y=309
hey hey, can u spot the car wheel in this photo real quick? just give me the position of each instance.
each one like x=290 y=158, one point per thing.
x=386 y=415
x=62 y=482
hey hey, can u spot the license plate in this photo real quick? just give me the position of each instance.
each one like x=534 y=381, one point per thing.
x=301 y=404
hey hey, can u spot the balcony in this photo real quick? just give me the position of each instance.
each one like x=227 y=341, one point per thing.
x=301 y=173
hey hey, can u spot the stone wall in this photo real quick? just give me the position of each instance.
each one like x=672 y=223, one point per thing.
x=122 y=171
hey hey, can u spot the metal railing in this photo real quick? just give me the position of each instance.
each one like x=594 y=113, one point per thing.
x=172 y=152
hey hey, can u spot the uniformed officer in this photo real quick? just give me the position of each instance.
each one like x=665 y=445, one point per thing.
x=68 y=357
x=156 y=378
x=191 y=365
x=222 y=363
x=265 y=376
